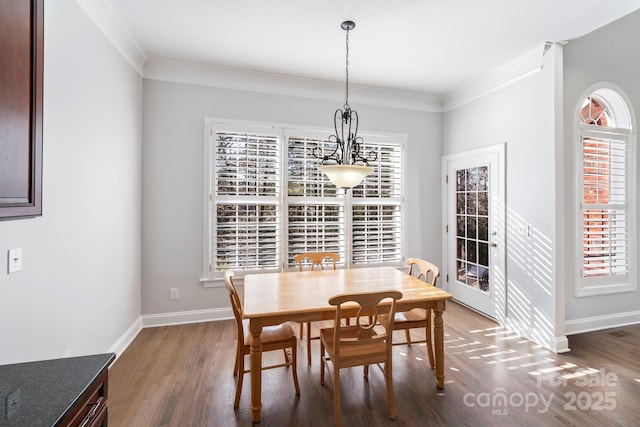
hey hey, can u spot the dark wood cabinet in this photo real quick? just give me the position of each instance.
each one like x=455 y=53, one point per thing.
x=91 y=408
x=21 y=90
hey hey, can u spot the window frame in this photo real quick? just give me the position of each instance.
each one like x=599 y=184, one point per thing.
x=606 y=284
x=211 y=278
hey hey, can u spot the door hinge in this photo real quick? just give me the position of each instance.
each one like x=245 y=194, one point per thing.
x=447 y=278
x=446 y=179
x=446 y=228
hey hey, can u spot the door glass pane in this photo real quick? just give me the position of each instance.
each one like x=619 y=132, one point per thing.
x=460 y=180
x=472 y=202
x=461 y=200
x=472 y=227
x=483 y=228
x=461 y=226
x=483 y=203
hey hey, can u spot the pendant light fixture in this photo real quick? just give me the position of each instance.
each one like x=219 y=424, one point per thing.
x=346 y=166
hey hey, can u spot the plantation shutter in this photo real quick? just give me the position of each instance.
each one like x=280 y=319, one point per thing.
x=315 y=213
x=246 y=193
x=377 y=208
x=604 y=204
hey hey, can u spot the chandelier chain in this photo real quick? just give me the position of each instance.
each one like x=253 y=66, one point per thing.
x=346 y=98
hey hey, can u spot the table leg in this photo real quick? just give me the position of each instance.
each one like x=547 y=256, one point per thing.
x=256 y=372
x=438 y=338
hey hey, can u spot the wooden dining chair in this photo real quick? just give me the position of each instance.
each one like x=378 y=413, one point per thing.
x=313 y=260
x=418 y=317
x=280 y=337
x=359 y=344
x=316 y=259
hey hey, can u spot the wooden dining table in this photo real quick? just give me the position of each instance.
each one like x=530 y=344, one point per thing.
x=274 y=298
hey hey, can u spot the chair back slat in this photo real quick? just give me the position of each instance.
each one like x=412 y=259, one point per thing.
x=316 y=259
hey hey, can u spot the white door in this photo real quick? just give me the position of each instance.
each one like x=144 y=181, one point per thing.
x=474 y=226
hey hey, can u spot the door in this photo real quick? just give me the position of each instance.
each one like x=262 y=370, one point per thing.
x=475 y=229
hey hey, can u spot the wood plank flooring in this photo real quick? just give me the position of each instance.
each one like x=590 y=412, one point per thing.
x=182 y=376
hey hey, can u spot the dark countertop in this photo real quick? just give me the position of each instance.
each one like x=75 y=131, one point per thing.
x=41 y=393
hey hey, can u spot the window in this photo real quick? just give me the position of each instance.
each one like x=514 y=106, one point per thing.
x=605 y=187
x=266 y=201
x=246 y=191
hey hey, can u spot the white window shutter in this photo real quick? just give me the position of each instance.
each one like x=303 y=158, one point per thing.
x=604 y=205
x=377 y=208
x=246 y=191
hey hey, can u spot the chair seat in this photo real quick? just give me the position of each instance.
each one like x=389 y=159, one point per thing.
x=415 y=315
x=373 y=350
x=270 y=334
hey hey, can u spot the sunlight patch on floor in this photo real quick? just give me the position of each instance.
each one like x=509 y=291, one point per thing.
x=503 y=332
x=553 y=369
x=510 y=359
x=512 y=337
x=528 y=365
x=477 y=331
x=497 y=353
x=582 y=373
x=467 y=344
x=490 y=347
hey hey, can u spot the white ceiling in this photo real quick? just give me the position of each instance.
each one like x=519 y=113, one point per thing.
x=426 y=46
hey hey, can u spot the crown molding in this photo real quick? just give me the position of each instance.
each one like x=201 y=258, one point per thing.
x=108 y=21
x=511 y=72
x=281 y=84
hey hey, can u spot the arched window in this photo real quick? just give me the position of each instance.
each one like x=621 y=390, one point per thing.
x=605 y=188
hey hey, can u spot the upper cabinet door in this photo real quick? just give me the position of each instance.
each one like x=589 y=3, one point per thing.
x=21 y=80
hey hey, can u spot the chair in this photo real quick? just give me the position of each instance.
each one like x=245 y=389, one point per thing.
x=418 y=317
x=280 y=337
x=358 y=345
x=316 y=259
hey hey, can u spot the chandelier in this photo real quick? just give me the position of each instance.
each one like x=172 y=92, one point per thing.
x=345 y=166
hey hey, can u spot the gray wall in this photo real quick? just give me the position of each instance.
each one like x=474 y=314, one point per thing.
x=173 y=146
x=610 y=54
x=522 y=114
x=79 y=289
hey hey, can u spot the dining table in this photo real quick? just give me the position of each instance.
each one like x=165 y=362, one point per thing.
x=302 y=296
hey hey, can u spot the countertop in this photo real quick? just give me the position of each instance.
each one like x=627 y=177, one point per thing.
x=41 y=393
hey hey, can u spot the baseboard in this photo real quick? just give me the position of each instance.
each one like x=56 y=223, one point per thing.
x=183 y=317
x=597 y=323
x=561 y=344
x=127 y=338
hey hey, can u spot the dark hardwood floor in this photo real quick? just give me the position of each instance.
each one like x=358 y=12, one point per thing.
x=182 y=376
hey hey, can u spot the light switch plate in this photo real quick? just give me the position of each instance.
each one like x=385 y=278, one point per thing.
x=14 y=260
